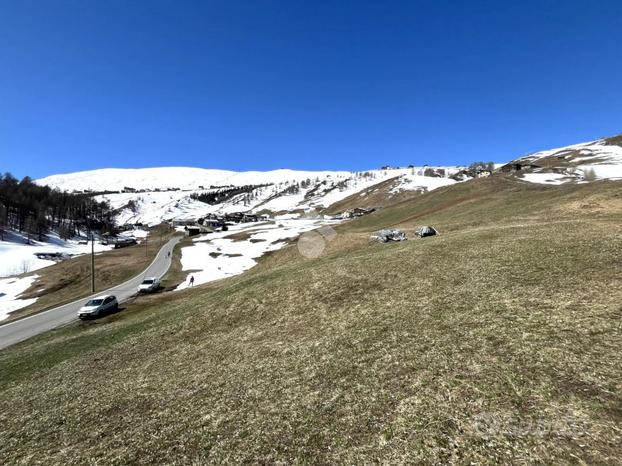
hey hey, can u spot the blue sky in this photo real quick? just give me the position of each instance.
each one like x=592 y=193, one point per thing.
x=265 y=84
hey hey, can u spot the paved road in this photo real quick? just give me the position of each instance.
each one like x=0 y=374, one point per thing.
x=27 y=327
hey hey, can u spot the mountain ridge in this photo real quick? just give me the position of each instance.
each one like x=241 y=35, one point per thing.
x=155 y=194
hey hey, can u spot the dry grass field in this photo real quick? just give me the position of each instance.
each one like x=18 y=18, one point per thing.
x=496 y=342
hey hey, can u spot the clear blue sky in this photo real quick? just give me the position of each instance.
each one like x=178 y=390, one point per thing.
x=263 y=84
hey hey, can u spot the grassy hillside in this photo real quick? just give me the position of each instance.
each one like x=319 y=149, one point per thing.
x=378 y=195
x=496 y=342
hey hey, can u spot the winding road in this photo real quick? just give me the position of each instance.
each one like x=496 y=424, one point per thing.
x=22 y=329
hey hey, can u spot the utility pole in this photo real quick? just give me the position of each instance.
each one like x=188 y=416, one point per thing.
x=92 y=262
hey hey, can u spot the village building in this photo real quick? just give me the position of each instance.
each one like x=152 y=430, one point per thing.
x=195 y=230
x=518 y=166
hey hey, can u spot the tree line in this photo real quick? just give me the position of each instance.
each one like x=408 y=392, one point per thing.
x=36 y=210
x=221 y=195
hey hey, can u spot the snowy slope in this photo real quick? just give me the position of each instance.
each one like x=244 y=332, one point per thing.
x=115 y=179
x=185 y=178
x=10 y=291
x=18 y=257
x=601 y=159
x=216 y=255
x=166 y=192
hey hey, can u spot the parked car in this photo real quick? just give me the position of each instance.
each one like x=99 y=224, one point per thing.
x=97 y=306
x=149 y=285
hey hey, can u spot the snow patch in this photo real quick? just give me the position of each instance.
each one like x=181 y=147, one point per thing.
x=412 y=182
x=10 y=290
x=546 y=178
x=604 y=171
x=215 y=256
x=17 y=257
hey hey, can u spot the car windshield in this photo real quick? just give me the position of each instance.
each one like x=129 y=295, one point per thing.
x=147 y=282
x=95 y=302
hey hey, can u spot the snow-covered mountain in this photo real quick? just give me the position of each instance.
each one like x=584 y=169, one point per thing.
x=589 y=161
x=184 y=178
x=152 y=195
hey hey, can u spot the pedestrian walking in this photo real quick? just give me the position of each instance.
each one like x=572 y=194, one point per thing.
x=191 y=280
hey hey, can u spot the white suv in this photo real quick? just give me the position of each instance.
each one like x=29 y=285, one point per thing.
x=149 y=285
x=97 y=306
